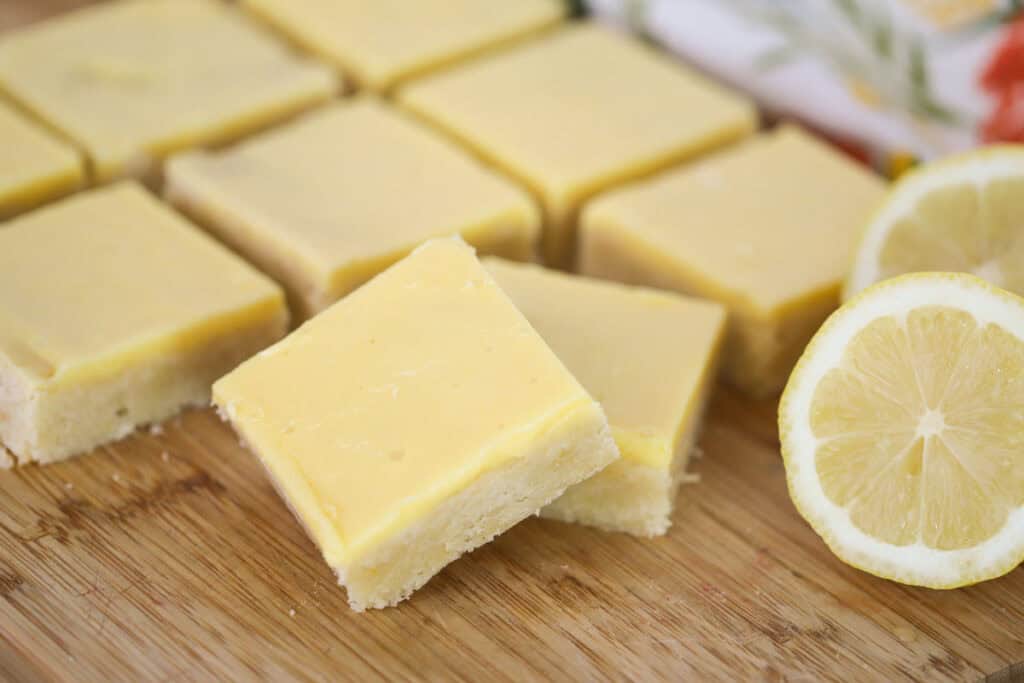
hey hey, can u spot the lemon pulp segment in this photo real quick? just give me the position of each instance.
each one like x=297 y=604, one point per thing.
x=921 y=428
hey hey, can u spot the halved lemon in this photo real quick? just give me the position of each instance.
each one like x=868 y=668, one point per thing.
x=963 y=214
x=902 y=430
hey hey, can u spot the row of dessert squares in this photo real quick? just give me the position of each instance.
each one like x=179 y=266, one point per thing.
x=566 y=136
x=430 y=401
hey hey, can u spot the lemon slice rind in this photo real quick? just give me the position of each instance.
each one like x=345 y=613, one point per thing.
x=978 y=167
x=916 y=563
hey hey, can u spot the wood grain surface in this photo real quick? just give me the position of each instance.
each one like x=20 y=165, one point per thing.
x=169 y=557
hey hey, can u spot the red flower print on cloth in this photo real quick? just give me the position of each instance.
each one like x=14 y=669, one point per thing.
x=1007 y=64
x=1006 y=123
x=1004 y=78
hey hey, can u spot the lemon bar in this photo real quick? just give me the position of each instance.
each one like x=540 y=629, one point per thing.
x=131 y=80
x=382 y=42
x=115 y=312
x=767 y=228
x=35 y=166
x=650 y=359
x=327 y=202
x=415 y=420
x=576 y=112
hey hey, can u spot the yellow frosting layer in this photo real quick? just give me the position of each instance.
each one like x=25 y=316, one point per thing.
x=577 y=111
x=328 y=201
x=34 y=165
x=756 y=227
x=381 y=42
x=644 y=355
x=397 y=397
x=132 y=80
x=92 y=282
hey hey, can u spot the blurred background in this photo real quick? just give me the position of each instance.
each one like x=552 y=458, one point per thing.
x=892 y=80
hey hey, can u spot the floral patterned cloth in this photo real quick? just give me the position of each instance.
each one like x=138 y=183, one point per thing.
x=898 y=78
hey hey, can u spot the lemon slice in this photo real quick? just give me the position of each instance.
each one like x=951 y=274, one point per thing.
x=963 y=214
x=902 y=430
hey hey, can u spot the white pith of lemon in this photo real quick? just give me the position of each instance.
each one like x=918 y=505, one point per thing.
x=964 y=214
x=902 y=430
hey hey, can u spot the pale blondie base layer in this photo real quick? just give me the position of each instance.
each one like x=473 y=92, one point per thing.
x=761 y=352
x=496 y=501
x=492 y=504
x=629 y=495
x=626 y=496
x=45 y=424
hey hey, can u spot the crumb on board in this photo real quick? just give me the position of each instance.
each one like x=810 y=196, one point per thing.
x=68 y=486
x=291 y=612
x=690 y=478
x=165 y=456
x=156 y=429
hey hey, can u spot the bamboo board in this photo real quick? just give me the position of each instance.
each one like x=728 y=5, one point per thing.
x=168 y=556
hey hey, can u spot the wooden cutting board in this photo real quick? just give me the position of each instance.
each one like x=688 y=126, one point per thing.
x=168 y=556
